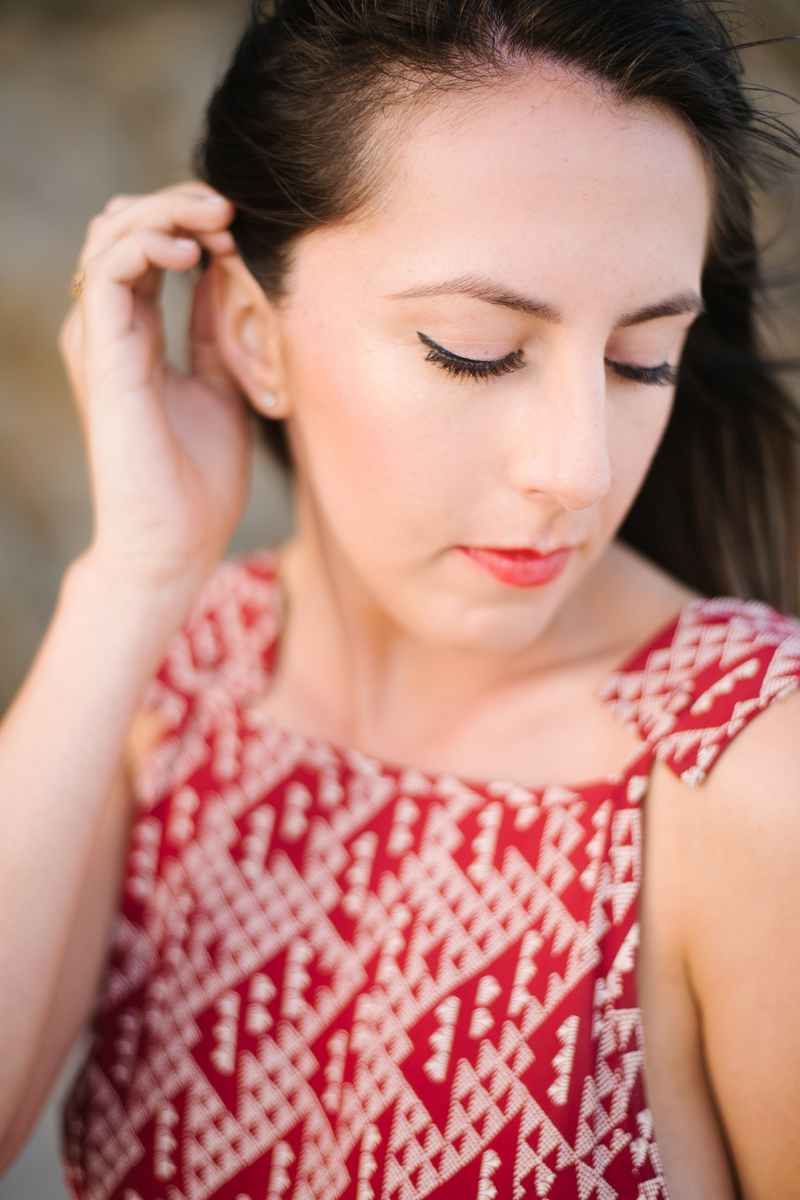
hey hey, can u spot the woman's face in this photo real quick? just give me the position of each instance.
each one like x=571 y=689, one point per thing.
x=555 y=239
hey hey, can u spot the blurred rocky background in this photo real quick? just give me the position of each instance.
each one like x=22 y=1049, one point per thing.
x=96 y=97
x=105 y=96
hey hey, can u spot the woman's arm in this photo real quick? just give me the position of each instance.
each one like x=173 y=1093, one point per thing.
x=722 y=1015
x=168 y=458
x=64 y=812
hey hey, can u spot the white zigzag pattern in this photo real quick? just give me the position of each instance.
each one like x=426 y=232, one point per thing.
x=232 y=969
x=730 y=635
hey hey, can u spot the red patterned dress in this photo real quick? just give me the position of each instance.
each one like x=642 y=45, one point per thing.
x=336 y=978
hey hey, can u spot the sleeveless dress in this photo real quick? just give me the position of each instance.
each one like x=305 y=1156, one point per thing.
x=336 y=978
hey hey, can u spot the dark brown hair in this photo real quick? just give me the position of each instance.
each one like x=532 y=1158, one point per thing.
x=288 y=141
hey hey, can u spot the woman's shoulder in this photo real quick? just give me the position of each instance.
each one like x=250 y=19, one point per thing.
x=699 y=682
x=721 y=889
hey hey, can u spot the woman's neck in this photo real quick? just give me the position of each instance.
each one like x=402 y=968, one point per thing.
x=347 y=672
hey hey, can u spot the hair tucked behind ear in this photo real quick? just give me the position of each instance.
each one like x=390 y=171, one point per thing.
x=288 y=141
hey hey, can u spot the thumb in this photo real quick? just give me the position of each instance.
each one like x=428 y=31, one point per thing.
x=206 y=358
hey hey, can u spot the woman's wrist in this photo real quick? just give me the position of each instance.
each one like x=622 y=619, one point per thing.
x=158 y=595
x=141 y=616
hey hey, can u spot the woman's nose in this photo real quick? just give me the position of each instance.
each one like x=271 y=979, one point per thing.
x=561 y=443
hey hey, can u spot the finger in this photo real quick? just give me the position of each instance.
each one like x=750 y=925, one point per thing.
x=189 y=187
x=70 y=340
x=130 y=266
x=190 y=214
x=165 y=212
x=71 y=346
x=219 y=245
x=192 y=187
x=69 y=334
x=119 y=203
x=206 y=359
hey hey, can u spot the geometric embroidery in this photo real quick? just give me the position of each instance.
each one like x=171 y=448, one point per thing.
x=335 y=978
x=699 y=683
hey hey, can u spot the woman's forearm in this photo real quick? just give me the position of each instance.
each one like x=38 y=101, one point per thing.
x=61 y=746
x=169 y=460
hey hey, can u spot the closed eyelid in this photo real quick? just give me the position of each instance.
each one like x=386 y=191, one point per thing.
x=432 y=345
x=456 y=364
x=459 y=366
x=464 y=358
x=663 y=375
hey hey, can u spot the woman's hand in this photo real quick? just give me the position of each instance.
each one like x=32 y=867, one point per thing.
x=169 y=458
x=168 y=452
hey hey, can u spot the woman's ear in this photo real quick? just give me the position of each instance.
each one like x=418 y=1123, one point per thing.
x=248 y=335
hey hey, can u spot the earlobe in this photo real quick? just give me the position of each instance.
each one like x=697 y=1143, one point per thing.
x=269 y=404
x=249 y=336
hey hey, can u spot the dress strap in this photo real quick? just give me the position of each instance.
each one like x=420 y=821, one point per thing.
x=229 y=641
x=222 y=657
x=692 y=689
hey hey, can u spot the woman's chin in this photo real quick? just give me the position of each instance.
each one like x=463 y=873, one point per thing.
x=505 y=625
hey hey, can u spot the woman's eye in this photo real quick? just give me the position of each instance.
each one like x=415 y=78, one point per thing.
x=475 y=368
x=663 y=376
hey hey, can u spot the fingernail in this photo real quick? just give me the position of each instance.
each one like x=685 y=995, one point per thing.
x=215 y=199
x=186 y=243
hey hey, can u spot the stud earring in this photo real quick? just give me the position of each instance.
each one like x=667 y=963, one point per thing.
x=269 y=400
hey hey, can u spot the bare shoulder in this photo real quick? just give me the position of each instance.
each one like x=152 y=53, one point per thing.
x=754 y=787
x=723 y=899
x=763 y=763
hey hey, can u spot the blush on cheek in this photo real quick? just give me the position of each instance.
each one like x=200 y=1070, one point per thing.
x=390 y=465
x=633 y=439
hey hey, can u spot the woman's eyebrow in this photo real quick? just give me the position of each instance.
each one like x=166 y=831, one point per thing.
x=491 y=292
x=487 y=290
x=675 y=306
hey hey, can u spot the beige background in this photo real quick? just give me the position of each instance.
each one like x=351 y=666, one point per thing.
x=98 y=97
x=95 y=99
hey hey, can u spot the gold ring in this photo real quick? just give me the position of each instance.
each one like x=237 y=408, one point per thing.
x=76 y=285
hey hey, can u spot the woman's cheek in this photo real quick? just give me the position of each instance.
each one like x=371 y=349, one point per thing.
x=635 y=429
x=386 y=459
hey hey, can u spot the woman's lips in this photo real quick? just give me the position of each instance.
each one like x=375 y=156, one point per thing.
x=518 y=568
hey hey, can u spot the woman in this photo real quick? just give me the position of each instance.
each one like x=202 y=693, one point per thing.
x=472 y=250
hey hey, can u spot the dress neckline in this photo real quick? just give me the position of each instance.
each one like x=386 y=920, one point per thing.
x=633 y=765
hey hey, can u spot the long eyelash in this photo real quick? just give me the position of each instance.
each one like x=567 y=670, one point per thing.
x=475 y=368
x=663 y=376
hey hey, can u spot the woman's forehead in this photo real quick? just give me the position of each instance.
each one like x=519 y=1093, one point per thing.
x=538 y=169
x=534 y=125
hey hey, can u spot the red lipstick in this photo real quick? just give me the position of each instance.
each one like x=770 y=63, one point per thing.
x=518 y=568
